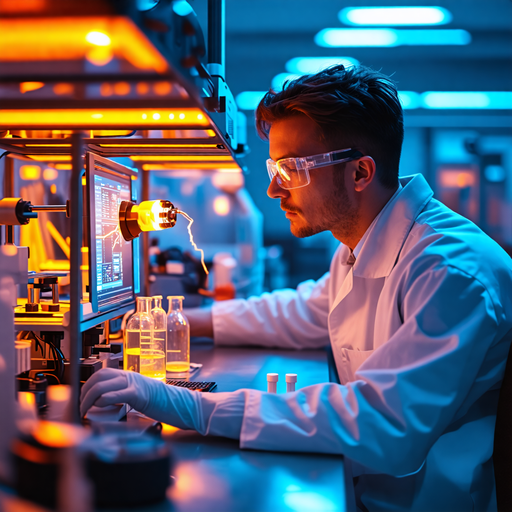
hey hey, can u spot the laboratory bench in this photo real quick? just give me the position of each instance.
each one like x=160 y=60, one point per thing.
x=214 y=474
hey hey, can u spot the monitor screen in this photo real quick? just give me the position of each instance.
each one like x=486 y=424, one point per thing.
x=111 y=257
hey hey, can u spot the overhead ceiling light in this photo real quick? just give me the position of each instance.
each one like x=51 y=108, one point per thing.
x=249 y=100
x=279 y=80
x=391 y=16
x=409 y=99
x=488 y=100
x=388 y=37
x=306 y=65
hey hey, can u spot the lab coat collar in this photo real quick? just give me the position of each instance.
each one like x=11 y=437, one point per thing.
x=386 y=237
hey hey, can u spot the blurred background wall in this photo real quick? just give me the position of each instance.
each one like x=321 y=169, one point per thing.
x=462 y=143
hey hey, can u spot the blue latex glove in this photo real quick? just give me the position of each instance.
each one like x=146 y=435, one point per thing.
x=208 y=413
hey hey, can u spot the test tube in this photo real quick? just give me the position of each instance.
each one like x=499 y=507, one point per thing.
x=272 y=379
x=291 y=379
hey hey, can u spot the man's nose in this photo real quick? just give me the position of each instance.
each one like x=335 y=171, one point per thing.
x=275 y=191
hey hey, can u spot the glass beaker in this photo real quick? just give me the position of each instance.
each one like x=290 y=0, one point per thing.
x=178 y=339
x=138 y=334
x=159 y=337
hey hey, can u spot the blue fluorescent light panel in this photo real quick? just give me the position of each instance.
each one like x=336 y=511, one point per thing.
x=308 y=65
x=393 y=16
x=389 y=37
x=489 y=100
x=249 y=100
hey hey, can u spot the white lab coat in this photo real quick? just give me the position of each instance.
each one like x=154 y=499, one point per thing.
x=420 y=328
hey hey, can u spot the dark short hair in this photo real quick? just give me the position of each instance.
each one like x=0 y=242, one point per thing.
x=355 y=107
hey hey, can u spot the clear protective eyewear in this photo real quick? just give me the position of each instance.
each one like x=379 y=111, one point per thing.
x=294 y=172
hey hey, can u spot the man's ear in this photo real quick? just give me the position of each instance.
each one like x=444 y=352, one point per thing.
x=365 y=173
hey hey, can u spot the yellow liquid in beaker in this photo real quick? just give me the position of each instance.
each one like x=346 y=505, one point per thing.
x=150 y=363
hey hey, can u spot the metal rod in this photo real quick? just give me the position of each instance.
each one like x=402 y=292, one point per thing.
x=216 y=32
x=9 y=237
x=48 y=208
x=145 y=235
x=75 y=306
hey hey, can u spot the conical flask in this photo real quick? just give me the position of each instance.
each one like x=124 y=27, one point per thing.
x=178 y=339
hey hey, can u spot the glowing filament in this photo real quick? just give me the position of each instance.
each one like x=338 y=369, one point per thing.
x=189 y=229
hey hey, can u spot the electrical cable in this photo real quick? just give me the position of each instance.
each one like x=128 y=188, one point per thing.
x=5 y=153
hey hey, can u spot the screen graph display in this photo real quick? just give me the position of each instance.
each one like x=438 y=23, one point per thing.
x=111 y=256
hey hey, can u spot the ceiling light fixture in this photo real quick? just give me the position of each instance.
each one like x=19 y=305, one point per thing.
x=393 y=16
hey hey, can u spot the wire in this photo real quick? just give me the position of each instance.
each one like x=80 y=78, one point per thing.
x=5 y=153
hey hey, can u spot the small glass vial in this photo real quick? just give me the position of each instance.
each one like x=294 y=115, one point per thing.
x=178 y=339
x=158 y=346
x=139 y=330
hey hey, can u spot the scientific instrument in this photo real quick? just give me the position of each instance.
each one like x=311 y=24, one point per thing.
x=178 y=338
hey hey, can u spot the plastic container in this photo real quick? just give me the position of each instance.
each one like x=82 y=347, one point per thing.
x=178 y=339
x=159 y=332
x=141 y=354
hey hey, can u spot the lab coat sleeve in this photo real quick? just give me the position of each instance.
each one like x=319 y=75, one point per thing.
x=292 y=319
x=406 y=393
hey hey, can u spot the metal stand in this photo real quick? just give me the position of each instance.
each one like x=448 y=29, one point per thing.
x=75 y=306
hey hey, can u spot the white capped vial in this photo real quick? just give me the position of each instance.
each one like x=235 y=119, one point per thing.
x=291 y=379
x=272 y=379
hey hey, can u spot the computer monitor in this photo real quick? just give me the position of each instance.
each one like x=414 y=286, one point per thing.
x=113 y=262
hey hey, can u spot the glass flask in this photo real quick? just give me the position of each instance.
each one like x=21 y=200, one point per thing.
x=139 y=330
x=159 y=336
x=178 y=339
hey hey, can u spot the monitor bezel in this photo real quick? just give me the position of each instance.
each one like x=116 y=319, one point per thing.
x=117 y=170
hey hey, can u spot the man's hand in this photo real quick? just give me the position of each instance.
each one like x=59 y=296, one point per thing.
x=170 y=404
x=201 y=322
x=110 y=386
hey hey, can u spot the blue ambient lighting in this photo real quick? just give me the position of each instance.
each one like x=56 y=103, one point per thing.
x=279 y=80
x=467 y=100
x=392 y=16
x=476 y=100
x=409 y=99
x=307 y=65
x=389 y=37
x=249 y=100
x=307 y=501
x=182 y=8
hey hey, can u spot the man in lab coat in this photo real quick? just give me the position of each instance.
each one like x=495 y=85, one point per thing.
x=416 y=306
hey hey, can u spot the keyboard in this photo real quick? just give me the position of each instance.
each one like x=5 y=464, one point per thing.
x=204 y=387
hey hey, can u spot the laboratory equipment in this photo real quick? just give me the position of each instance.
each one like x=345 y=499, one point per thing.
x=160 y=329
x=291 y=379
x=204 y=387
x=138 y=334
x=178 y=338
x=146 y=216
x=272 y=379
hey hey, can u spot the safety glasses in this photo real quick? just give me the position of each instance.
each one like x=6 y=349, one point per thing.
x=294 y=172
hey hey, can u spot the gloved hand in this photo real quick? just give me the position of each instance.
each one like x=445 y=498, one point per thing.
x=170 y=404
x=219 y=414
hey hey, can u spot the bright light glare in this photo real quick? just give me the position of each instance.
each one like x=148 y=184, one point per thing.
x=388 y=37
x=390 y=16
x=98 y=38
x=467 y=100
x=279 y=80
x=249 y=100
x=409 y=99
x=221 y=205
x=156 y=116
x=307 y=501
x=307 y=65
